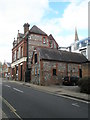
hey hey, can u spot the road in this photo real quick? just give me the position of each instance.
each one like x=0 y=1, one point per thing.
x=20 y=101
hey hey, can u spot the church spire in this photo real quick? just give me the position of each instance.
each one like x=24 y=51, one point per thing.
x=76 y=35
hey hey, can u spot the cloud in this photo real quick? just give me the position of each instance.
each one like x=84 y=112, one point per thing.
x=14 y=13
x=19 y=10
x=64 y=0
x=76 y=14
x=63 y=28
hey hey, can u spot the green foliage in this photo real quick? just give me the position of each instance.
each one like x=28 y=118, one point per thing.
x=84 y=84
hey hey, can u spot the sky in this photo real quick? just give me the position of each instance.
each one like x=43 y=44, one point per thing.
x=56 y=17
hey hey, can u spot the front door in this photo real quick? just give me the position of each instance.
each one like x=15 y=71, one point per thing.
x=80 y=73
x=28 y=76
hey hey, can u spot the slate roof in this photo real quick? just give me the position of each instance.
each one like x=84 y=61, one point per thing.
x=8 y=64
x=60 y=55
x=37 y=30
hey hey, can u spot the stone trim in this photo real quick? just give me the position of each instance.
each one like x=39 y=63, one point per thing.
x=18 y=61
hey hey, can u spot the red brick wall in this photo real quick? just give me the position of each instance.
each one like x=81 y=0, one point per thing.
x=22 y=44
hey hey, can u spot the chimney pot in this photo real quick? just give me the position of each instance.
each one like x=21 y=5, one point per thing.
x=26 y=27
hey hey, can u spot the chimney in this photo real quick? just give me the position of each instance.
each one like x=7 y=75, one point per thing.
x=14 y=42
x=26 y=27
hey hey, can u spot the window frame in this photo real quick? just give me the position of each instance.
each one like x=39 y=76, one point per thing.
x=35 y=58
x=54 y=72
x=44 y=40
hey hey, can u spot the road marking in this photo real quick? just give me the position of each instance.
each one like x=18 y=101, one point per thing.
x=7 y=86
x=10 y=107
x=75 y=104
x=18 y=90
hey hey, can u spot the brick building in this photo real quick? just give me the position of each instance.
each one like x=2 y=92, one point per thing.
x=49 y=66
x=0 y=69
x=6 y=70
x=23 y=48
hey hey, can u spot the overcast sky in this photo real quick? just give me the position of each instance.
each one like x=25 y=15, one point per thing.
x=56 y=17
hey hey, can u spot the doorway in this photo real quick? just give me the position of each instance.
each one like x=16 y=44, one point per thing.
x=80 y=73
x=21 y=72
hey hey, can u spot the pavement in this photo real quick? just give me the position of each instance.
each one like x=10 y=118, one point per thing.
x=59 y=90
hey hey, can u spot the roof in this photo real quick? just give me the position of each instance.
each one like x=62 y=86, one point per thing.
x=8 y=64
x=37 y=30
x=60 y=55
x=51 y=37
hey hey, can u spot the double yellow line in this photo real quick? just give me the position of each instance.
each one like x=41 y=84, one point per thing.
x=10 y=107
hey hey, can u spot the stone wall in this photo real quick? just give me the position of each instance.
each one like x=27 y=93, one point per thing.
x=35 y=41
x=46 y=75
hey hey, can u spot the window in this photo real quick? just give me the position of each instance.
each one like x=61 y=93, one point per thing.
x=35 y=71
x=51 y=44
x=88 y=42
x=83 y=44
x=54 y=45
x=54 y=72
x=35 y=58
x=21 y=51
x=15 y=56
x=44 y=40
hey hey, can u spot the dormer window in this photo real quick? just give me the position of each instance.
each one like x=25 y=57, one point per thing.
x=44 y=40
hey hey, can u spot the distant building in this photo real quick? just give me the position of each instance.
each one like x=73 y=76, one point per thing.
x=79 y=46
x=23 y=48
x=82 y=46
x=49 y=66
x=0 y=69
x=6 y=70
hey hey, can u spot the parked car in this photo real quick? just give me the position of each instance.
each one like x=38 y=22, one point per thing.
x=73 y=80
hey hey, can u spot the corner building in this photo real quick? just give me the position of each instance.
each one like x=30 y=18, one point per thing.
x=23 y=48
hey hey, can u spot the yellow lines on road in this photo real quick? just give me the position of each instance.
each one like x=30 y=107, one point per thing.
x=10 y=107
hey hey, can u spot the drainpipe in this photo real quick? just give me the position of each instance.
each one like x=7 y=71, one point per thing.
x=27 y=60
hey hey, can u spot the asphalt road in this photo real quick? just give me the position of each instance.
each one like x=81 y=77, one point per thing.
x=25 y=102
